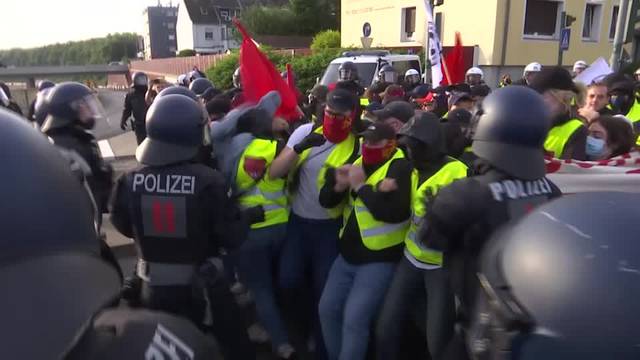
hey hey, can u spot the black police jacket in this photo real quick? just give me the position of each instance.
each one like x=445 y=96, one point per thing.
x=134 y=104
x=177 y=214
x=463 y=216
x=84 y=144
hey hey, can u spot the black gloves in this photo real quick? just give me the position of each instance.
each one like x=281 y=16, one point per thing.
x=123 y=124
x=311 y=140
x=254 y=214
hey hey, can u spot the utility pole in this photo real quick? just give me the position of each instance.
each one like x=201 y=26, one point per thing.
x=618 y=40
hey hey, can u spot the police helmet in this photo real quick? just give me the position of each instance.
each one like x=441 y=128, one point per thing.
x=179 y=90
x=53 y=279
x=532 y=67
x=140 y=79
x=40 y=107
x=175 y=131
x=512 y=139
x=237 y=82
x=194 y=75
x=562 y=283
x=387 y=74
x=200 y=85
x=183 y=80
x=425 y=127
x=71 y=103
x=347 y=71
x=45 y=84
x=475 y=71
x=412 y=76
x=4 y=99
x=580 y=65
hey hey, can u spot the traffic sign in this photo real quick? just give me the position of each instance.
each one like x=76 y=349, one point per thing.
x=366 y=42
x=565 y=37
x=366 y=30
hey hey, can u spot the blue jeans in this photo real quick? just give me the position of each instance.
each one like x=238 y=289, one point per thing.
x=309 y=249
x=349 y=305
x=257 y=261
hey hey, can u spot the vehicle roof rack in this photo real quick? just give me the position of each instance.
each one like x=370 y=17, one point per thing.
x=366 y=53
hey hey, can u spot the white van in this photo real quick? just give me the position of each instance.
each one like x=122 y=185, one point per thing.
x=368 y=63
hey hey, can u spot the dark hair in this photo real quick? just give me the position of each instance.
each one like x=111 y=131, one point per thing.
x=620 y=136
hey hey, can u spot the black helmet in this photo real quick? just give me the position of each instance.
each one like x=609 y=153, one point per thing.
x=562 y=283
x=45 y=84
x=40 y=106
x=175 y=131
x=71 y=103
x=178 y=90
x=425 y=127
x=53 y=279
x=237 y=83
x=139 y=79
x=200 y=85
x=512 y=130
x=387 y=74
x=347 y=71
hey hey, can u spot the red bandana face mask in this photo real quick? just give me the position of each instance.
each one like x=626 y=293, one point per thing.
x=336 y=127
x=377 y=155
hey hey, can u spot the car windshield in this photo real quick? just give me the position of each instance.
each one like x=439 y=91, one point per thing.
x=366 y=71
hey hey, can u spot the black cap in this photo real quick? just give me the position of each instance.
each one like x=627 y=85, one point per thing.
x=378 y=131
x=555 y=77
x=425 y=127
x=460 y=117
x=456 y=97
x=420 y=91
x=480 y=90
x=398 y=109
x=341 y=100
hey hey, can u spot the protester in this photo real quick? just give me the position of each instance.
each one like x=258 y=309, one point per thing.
x=458 y=136
x=395 y=114
x=218 y=107
x=377 y=188
x=156 y=86
x=314 y=109
x=609 y=136
x=578 y=67
x=596 y=102
x=459 y=100
x=623 y=100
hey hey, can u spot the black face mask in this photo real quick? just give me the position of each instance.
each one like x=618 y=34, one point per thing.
x=419 y=153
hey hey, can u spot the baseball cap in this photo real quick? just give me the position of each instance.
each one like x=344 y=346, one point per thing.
x=400 y=110
x=341 y=100
x=378 y=131
x=456 y=97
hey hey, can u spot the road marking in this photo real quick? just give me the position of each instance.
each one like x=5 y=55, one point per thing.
x=105 y=149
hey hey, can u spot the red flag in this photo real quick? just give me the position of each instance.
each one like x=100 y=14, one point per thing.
x=453 y=64
x=259 y=76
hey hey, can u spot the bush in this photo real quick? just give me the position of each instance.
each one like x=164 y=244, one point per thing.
x=328 y=39
x=308 y=68
x=222 y=74
x=186 y=53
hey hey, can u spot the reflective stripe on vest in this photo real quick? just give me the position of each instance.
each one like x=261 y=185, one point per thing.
x=453 y=170
x=559 y=136
x=364 y=102
x=340 y=155
x=269 y=193
x=376 y=235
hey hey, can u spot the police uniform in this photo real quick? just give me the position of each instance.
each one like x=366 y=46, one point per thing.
x=136 y=105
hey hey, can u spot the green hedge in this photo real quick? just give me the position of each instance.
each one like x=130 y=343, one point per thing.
x=328 y=39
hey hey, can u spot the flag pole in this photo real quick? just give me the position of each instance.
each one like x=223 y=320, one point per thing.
x=446 y=69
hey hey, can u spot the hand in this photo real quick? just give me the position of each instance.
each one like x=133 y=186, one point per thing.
x=123 y=125
x=357 y=177
x=388 y=185
x=588 y=113
x=279 y=124
x=342 y=178
x=311 y=140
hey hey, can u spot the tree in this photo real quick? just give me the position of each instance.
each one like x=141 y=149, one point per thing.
x=299 y=17
x=328 y=39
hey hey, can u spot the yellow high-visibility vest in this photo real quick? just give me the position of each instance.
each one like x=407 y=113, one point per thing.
x=559 y=135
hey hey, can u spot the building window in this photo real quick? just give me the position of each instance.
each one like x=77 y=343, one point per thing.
x=208 y=35
x=614 y=22
x=408 y=23
x=172 y=37
x=171 y=25
x=542 y=18
x=591 y=24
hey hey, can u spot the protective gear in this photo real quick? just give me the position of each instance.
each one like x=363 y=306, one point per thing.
x=347 y=71
x=530 y=307
x=412 y=76
x=336 y=128
x=40 y=107
x=72 y=103
x=45 y=84
x=135 y=105
x=194 y=74
x=200 y=85
x=178 y=90
x=475 y=71
x=175 y=131
x=510 y=139
x=377 y=155
x=580 y=65
x=310 y=141
x=183 y=80
x=237 y=80
x=532 y=67
x=387 y=74
x=595 y=147
x=4 y=99
x=139 y=79
x=50 y=246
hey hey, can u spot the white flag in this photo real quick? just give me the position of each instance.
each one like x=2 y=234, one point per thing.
x=435 y=48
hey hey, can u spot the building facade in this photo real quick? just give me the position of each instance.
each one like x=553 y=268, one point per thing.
x=160 y=32
x=507 y=34
x=206 y=27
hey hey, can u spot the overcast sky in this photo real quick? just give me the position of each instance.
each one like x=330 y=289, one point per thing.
x=31 y=23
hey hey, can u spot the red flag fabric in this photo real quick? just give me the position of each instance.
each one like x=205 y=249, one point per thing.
x=453 y=65
x=259 y=76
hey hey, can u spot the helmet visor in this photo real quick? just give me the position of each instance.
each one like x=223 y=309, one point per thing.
x=413 y=79
x=389 y=76
x=345 y=74
x=88 y=108
x=4 y=99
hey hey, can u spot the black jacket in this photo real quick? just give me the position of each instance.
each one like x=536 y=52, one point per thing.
x=391 y=207
x=135 y=104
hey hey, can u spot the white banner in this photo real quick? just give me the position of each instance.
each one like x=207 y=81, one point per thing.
x=434 y=47
x=596 y=71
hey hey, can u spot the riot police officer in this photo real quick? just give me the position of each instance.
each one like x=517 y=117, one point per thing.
x=72 y=110
x=57 y=289
x=200 y=85
x=178 y=212
x=510 y=182
x=42 y=86
x=135 y=104
x=348 y=78
x=562 y=283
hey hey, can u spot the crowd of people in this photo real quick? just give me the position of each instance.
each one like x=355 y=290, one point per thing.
x=360 y=228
